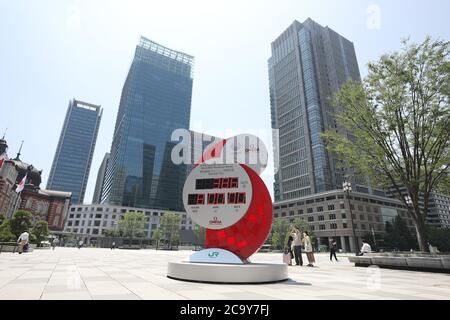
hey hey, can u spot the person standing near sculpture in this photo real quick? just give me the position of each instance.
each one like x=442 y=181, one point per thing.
x=297 y=243
x=308 y=249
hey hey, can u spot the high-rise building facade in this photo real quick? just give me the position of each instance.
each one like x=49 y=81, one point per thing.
x=309 y=63
x=73 y=156
x=156 y=100
x=100 y=179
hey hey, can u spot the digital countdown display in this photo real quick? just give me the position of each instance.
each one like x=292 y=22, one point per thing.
x=217 y=196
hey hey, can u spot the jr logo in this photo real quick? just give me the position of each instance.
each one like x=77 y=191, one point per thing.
x=213 y=254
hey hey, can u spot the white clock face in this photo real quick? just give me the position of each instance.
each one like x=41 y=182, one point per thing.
x=217 y=196
x=246 y=149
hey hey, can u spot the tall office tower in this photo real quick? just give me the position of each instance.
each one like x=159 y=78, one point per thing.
x=156 y=99
x=309 y=63
x=73 y=156
x=100 y=179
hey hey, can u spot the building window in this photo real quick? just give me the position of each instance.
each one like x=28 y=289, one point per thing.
x=344 y=225
x=283 y=214
x=360 y=208
x=332 y=216
x=368 y=209
x=312 y=227
x=321 y=218
x=291 y=213
x=342 y=206
x=98 y=216
x=310 y=219
x=363 y=226
x=361 y=217
x=72 y=209
x=321 y=227
x=95 y=231
x=300 y=211
x=96 y=224
x=331 y=207
x=333 y=226
x=344 y=216
x=309 y=210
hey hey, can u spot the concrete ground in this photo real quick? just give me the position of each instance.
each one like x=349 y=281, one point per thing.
x=91 y=273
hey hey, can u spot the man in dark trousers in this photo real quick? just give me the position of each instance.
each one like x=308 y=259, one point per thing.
x=297 y=242
x=333 y=249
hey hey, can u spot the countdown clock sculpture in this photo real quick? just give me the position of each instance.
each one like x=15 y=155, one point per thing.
x=231 y=201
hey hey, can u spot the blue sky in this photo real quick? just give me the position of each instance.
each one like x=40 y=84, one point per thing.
x=53 y=51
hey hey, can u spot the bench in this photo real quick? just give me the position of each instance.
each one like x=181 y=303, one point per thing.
x=8 y=247
x=420 y=262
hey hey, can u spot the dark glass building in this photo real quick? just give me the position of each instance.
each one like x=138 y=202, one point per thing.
x=100 y=179
x=309 y=63
x=156 y=100
x=73 y=156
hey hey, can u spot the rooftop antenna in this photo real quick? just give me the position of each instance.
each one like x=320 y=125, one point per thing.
x=4 y=134
x=20 y=149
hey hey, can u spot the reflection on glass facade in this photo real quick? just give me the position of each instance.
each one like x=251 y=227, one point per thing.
x=73 y=157
x=156 y=99
x=309 y=63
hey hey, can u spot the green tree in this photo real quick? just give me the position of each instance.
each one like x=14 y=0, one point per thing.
x=132 y=224
x=157 y=235
x=5 y=231
x=397 y=236
x=20 y=222
x=399 y=119
x=170 y=227
x=200 y=233
x=40 y=231
x=439 y=237
x=279 y=233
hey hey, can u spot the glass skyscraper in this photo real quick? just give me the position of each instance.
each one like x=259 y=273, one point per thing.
x=156 y=99
x=309 y=63
x=73 y=156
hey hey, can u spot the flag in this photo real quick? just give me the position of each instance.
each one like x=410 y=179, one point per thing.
x=21 y=185
x=3 y=158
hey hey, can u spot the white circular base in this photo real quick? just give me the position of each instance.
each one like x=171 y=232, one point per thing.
x=227 y=273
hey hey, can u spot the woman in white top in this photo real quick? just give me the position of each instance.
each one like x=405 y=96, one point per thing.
x=308 y=249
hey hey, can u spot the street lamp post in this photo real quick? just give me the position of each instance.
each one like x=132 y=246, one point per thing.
x=347 y=187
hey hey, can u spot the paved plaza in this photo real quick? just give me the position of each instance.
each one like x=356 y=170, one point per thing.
x=91 y=273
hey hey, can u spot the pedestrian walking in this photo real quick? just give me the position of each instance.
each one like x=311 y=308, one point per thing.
x=80 y=244
x=23 y=241
x=289 y=249
x=333 y=248
x=308 y=249
x=297 y=243
x=113 y=245
x=55 y=242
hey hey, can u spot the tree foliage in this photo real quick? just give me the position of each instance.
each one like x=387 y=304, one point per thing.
x=399 y=119
x=170 y=228
x=157 y=236
x=20 y=222
x=40 y=231
x=132 y=224
x=5 y=232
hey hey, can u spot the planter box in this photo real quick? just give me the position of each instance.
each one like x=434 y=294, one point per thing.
x=363 y=260
x=425 y=263
x=390 y=261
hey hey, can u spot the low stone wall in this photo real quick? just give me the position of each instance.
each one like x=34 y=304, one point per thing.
x=419 y=262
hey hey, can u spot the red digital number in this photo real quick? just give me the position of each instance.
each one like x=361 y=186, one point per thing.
x=216 y=183
x=200 y=199
x=233 y=182
x=241 y=197
x=225 y=183
x=220 y=198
